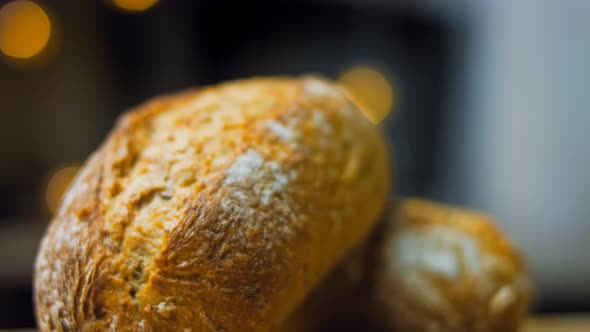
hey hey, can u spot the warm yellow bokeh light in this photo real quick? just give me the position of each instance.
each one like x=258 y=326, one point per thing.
x=57 y=185
x=24 y=29
x=134 y=5
x=369 y=90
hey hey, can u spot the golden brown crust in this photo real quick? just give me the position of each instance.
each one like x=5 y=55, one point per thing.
x=212 y=210
x=448 y=269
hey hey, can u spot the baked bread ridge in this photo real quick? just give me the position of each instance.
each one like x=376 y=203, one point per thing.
x=213 y=209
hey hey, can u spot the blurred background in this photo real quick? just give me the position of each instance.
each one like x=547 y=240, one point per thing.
x=485 y=104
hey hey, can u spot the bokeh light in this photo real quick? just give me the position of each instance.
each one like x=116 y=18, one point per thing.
x=134 y=5
x=370 y=90
x=58 y=183
x=25 y=29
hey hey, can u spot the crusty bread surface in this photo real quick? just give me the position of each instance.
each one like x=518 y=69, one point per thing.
x=215 y=209
x=443 y=268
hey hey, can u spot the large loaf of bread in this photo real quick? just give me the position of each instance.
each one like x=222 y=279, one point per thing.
x=212 y=210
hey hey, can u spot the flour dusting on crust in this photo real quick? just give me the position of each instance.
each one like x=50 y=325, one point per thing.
x=280 y=130
x=251 y=179
x=320 y=88
x=439 y=250
x=246 y=167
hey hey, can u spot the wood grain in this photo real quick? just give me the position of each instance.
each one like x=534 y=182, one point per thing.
x=568 y=323
x=571 y=323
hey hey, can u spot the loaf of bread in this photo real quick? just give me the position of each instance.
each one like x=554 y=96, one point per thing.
x=212 y=210
x=427 y=268
x=442 y=268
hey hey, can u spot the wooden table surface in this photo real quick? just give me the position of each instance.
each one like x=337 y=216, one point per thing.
x=573 y=323
x=568 y=323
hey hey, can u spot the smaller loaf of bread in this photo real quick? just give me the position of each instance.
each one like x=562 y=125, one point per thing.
x=212 y=210
x=428 y=267
x=442 y=268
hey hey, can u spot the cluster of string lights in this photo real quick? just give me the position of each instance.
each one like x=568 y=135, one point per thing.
x=26 y=28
